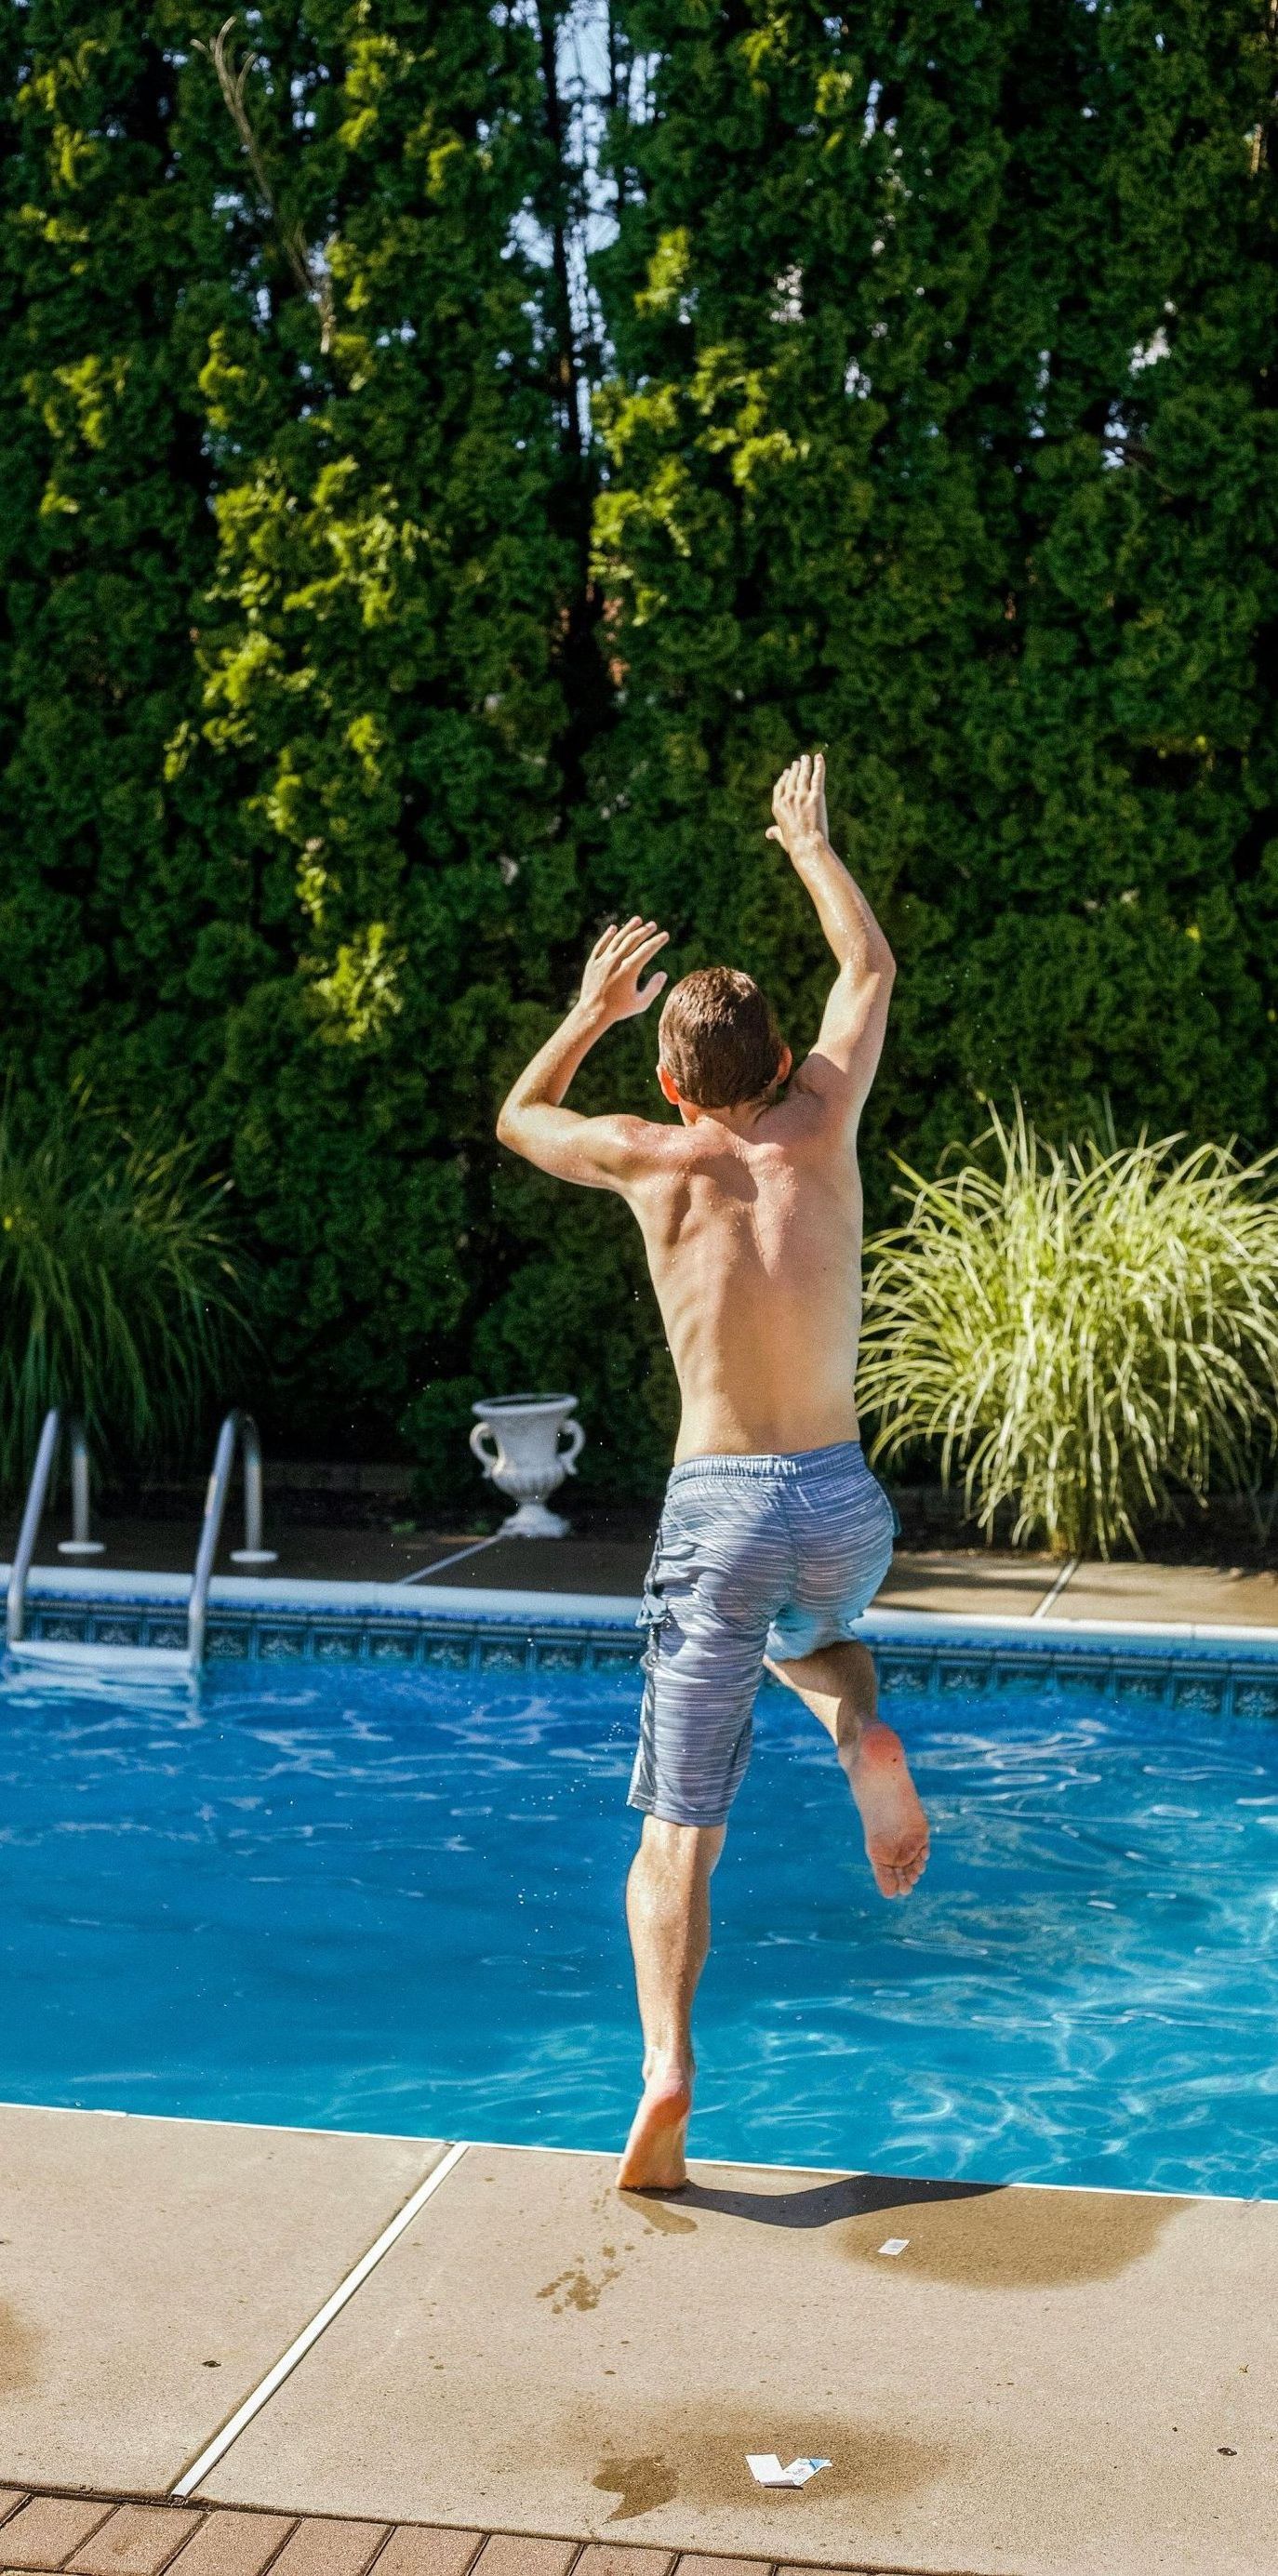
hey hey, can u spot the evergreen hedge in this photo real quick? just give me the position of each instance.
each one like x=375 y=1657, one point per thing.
x=921 y=403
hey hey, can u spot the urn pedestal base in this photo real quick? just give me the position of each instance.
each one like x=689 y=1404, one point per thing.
x=533 y=1520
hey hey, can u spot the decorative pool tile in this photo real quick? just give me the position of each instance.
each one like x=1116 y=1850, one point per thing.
x=554 y=1656
x=503 y=1654
x=393 y=1645
x=1199 y=1692
x=453 y=1653
x=1140 y=1684
x=905 y=1677
x=281 y=1645
x=1255 y=1699
x=336 y=1645
x=965 y=1677
x=222 y=1645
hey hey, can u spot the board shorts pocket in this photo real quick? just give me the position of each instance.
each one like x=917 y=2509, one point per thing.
x=654 y=1608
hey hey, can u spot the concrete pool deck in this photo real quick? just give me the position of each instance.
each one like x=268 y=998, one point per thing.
x=1043 y=2382
x=988 y=1582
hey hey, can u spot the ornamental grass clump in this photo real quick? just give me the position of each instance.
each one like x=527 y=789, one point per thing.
x=1087 y=1334
x=118 y=1292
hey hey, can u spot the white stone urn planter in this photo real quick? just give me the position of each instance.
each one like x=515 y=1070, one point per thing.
x=516 y=1440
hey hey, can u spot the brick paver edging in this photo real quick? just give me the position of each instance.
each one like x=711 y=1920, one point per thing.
x=43 y=2533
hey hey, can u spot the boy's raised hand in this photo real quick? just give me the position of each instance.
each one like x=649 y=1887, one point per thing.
x=610 y=987
x=798 y=804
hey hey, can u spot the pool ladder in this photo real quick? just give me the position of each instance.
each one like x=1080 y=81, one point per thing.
x=238 y=1431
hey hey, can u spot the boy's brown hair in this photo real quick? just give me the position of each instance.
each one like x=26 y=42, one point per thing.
x=719 y=1041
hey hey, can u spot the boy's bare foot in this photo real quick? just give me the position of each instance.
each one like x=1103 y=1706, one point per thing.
x=654 y=2159
x=896 y=1834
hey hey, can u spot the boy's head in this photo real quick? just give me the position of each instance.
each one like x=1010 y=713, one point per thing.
x=720 y=1045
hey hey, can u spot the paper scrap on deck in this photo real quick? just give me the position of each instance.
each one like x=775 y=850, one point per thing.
x=766 y=2469
x=894 y=2245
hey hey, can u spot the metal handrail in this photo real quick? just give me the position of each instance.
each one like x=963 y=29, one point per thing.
x=239 y=1427
x=79 y=1543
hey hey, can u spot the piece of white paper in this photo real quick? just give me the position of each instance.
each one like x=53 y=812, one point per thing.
x=894 y=2245
x=766 y=2469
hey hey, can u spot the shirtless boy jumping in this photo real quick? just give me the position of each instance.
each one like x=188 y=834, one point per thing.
x=774 y=1535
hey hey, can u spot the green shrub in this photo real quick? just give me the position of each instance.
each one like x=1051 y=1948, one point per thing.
x=1085 y=1333
x=117 y=1289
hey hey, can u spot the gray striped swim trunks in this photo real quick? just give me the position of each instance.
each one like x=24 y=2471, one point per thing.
x=754 y=1556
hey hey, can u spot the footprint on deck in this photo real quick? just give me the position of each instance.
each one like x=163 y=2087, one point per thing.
x=660 y=2215
x=575 y=2289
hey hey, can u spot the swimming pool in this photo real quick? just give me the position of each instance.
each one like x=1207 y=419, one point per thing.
x=383 y=1900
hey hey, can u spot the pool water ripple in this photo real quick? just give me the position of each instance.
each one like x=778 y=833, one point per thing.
x=395 y=1903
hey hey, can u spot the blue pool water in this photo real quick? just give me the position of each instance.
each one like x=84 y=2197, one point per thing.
x=395 y=1903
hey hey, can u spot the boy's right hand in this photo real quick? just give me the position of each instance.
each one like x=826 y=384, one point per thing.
x=798 y=803
x=610 y=987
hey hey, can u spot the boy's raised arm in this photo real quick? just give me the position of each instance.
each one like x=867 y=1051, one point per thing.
x=600 y=1153
x=845 y=1058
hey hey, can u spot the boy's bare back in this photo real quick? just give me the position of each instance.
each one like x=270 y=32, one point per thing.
x=754 y=1245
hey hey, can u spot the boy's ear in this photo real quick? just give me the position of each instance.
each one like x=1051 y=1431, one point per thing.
x=785 y=1063
x=667 y=1083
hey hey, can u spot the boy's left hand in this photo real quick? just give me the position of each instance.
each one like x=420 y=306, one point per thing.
x=798 y=805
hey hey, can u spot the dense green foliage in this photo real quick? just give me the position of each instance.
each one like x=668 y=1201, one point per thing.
x=898 y=466
x=1087 y=1336
x=117 y=1286
x=933 y=420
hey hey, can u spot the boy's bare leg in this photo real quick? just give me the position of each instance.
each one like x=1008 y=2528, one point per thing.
x=668 y=1912
x=838 y=1685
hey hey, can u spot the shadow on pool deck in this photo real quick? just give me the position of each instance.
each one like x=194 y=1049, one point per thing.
x=1034 y=2240
x=1057 y=2383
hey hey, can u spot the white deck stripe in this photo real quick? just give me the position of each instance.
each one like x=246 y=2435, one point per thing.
x=1070 y=1567
x=422 y=1573
x=310 y=2334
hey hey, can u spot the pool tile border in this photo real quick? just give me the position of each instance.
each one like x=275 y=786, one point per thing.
x=1216 y=1672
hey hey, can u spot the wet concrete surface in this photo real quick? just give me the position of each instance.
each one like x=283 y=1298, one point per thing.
x=1057 y=2383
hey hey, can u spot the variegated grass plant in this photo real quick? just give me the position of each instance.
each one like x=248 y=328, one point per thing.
x=1085 y=1333
x=117 y=1287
